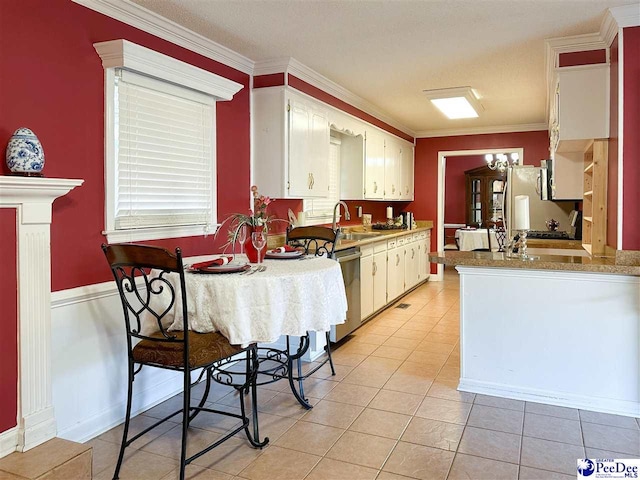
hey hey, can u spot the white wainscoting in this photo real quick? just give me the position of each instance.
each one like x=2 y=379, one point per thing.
x=89 y=359
x=563 y=338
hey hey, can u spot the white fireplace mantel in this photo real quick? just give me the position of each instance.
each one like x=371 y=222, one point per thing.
x=33 y=197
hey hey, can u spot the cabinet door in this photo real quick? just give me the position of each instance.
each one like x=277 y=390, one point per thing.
x=318 y=152
x=406 y=173
x=374 y=165
x=425 y=266
x=379 y=280
x=366 y=286
x=392 y=161
x=395 y=273
x=299 y=138
x=411 y=265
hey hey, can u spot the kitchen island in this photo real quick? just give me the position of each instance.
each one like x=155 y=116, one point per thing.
x=562 y=330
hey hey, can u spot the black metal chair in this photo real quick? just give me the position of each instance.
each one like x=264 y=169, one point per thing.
x=318 y=241
x=500 y=232
x=141 y=273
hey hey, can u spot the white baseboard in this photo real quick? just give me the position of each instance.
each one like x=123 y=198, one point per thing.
x=8 y=441
x=560 y=399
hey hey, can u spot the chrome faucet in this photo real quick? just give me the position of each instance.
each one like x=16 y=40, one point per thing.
x=336 y=208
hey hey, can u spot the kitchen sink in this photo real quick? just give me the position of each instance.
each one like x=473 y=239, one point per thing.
x=357 y=236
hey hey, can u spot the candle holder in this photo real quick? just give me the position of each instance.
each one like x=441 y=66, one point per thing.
x=522 y=247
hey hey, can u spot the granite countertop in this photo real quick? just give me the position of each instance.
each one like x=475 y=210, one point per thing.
x=378 y=235
x=620 y=264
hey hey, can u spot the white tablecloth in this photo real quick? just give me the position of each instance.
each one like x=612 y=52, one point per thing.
x=290 y=298
x=473 y=239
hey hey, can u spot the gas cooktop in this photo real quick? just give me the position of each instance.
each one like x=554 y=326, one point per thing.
x=548 y=235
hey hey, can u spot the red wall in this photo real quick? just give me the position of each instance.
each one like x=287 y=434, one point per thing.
x=631 y=139
x=51 y=80
x=612 y=163
x=589 y=57
x=455 y=186
x=8 y=320
x=425 y=206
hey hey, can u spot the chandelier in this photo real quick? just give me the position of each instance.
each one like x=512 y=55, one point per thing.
x=500 y=161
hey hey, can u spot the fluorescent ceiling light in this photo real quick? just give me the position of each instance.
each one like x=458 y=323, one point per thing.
x=459 y=102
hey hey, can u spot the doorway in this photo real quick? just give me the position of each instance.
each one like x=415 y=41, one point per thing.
x=442 y=161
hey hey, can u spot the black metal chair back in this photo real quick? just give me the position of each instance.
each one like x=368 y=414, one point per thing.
x=140 y=272
x=318 y=241
x=500 y=232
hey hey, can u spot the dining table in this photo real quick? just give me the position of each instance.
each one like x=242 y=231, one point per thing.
x=259 y=303
x=474 y=239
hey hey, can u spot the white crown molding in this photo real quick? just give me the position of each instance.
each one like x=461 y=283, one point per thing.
x=608 y=28
x=626 y=15
x=452 y=132
x=150 y=22
x=125 y=54
x=304 y=73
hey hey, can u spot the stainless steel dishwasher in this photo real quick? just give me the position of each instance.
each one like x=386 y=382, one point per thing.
x=349 y=261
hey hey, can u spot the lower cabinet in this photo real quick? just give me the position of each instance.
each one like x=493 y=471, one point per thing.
x=395 y=269
x=423 y=247
x=411 y=263
x=373 y=278
x=389 y=268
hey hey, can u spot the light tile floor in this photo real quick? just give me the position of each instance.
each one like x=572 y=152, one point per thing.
x=392 y=412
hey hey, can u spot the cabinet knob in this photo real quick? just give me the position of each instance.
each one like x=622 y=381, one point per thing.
x=375 y=268
x=375 y=187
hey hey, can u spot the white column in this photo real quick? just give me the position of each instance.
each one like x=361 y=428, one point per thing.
x=33 y=197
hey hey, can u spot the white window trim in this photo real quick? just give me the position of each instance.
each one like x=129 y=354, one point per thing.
x=124 y=54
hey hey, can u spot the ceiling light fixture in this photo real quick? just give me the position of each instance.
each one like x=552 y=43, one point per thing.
x=501 y=161
x=458 y=102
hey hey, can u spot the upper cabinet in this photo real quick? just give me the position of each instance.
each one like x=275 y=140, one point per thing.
x=579 y=114
x=292 y=134
x=406 y=171
x=291 y=137
x=374 y=169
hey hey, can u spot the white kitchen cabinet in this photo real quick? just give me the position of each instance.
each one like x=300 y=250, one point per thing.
x=366 y=282
x=395 y=268
x=579 y=113
x=392 y=167
x=291 y=144
x=380 y=278
x=406 y=172
x=411 y=262
x=374 y=165
x=373 y=278
x=424 y=243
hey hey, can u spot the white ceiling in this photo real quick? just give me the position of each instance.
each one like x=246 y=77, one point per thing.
x=388 y=52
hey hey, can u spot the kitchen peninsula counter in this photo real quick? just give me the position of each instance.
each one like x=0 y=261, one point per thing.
x=560 y=330
x=627 y=266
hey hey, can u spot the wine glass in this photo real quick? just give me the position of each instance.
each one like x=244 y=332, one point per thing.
x=259 y=240
x=241 y=237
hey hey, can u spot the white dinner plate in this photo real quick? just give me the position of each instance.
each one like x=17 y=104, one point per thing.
x=284 y=255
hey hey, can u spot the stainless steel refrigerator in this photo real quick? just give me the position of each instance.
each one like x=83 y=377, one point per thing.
x=525 y=180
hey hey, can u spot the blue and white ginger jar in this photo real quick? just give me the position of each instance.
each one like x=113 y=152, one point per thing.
x=24 y=153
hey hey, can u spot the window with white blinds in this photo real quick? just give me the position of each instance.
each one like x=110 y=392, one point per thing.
x=320 y=210
x=165 y=154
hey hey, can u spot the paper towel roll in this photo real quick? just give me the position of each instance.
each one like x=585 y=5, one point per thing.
x=389 y=213
x=521 y=212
